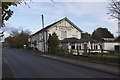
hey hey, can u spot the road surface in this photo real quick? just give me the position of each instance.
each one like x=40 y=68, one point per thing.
x=24 y=64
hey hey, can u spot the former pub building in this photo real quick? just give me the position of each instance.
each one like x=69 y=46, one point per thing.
x=64 y=28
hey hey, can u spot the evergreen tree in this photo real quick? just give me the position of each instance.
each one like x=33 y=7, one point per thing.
x=100 y=33
x=53 y=44
x=86 y=35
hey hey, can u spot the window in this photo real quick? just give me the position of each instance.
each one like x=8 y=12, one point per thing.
x=73 y=46
x=96 y=47
x=41 y=36
x=63 y=34
x=77 y=47
x=80 y=47
x=91 y=47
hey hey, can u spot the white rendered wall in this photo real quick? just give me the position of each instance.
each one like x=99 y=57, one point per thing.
x=64 y=26
x=110 y=45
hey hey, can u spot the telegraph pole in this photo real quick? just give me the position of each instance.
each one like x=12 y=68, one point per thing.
x=118 y=25
x=118 y=32
x=43 y=33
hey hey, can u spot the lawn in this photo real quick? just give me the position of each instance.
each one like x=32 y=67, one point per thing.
x=116 y=55
x=108 y=59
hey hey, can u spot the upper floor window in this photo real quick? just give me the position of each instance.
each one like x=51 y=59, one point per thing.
x=63 y=34
x=40 y=36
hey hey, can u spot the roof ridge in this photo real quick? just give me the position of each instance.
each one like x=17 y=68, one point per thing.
x=65 y=18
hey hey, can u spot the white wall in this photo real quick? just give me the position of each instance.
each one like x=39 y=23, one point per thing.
x=110 y=45
x=64 y=26
x=40 y=45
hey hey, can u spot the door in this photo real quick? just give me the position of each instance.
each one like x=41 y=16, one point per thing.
x=85 y=48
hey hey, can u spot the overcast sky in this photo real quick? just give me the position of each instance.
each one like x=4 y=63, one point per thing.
x=88 y=16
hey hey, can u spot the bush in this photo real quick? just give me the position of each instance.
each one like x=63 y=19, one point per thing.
x=36 y=49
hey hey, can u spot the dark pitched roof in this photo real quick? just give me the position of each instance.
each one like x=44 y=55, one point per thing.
x=70 y=40
x=58 y=22
x=117 y=39
x=73 y=40
x=87 y=40
x=111 y=39
x=108 y=39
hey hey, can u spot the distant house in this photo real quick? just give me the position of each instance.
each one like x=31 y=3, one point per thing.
x=117 y=47
x=117 y=39
x=111 y=44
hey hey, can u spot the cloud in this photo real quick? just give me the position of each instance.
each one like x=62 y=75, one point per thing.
x=93 y=14
x=8 y=29
x=68 y=0
x=74 y=8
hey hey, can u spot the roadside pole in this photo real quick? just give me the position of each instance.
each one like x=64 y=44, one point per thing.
x=119 y=30
x=0 y=60
x=43 y=33
x=0 y=43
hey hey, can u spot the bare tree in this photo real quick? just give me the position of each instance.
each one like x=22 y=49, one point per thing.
x=114 y=9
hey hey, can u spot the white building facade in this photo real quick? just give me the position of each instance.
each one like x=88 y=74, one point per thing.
x=112 y=45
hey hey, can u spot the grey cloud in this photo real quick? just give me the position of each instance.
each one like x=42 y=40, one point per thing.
x=9 y=29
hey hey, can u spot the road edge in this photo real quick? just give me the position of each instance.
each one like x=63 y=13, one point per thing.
x=75 y=62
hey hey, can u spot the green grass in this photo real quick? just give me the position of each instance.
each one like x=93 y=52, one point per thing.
x=108 y=59
x=107 y=55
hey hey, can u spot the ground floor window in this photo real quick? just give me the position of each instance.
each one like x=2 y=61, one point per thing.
x=73 y=46
x=91 y=47
x=95 y=47
x=80 y=47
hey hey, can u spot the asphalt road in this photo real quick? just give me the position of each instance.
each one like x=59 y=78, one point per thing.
x=24 y=64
